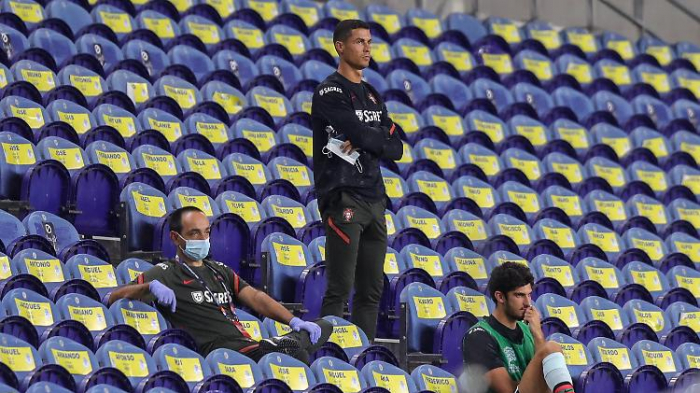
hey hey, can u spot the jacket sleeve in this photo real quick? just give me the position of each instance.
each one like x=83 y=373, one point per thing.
x=393 y=148
x=331 y=104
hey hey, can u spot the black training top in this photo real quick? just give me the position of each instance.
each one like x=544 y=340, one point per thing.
x=356 y=113
x=196 y=311
x=480 y=348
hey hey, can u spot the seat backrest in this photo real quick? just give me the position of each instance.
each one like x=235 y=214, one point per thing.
x=288 y=258
x=417 y=256
x=570 y=202
x=640 y=311
x=578 y=137
x=602 y=272
x=280 y=206
x=207 y=31
x=197 y=61
x=230 y=98
x=426 y=307
x=408 y=118
x=647 y=276
x=184 y=93
x=47 y=268
x=646 y=241
x=261 y=135
x=215 y=130
x=164 y=27
x=67 y=153
x=620 y=44
x=529 y=164
x=252 y=325
x=200 y=162
x=145 y=206
x=386 y=16
x=603 y=349
x=464 y=260
x=598 y=308
x=394 y=184
x=684 y=314
x=477 y=190
x=581 y=37
x=142 y=317
x=236 y=365
x=107 y=52
x=91 y=313
x=656 y=109
x=567 y=166
x=245 y=32
x=521 y=195
x=87 y=82
x=298 y=135
x=40 y=311
x=93 y=270
x=287 y=73
x=564 y=236
x=291 y=371
x=347 y=335
x=416 y=217
x=567 y=97
x=536 y=132
x=163 y=122
x=492 y=91
x=414 y=85
x=538 y=64
x=453 y=88
x=317 y=249
x=505 y=28
x=186 y=196
x=652 y=140
x=610 y=205
x=12 y=228
x=519 y=231
x=556 y=268
x=614 y=137
x=650 y=174
x=130 y=268
x=432 y=378
x=328 y=369
x=469 y=300
x=78 y=117
x=454 y=54
x=414 y=51
x=474 y=227
x=74 y=357
x=21 y=357
x=646 y=206
x=183 y=361
x=59 y=46
x=684 y=277
x=448 y=121
x=613 y=103
x=288 y=169
x=688 y=354
x=277 y=105
x=117 y=159
x=115 y=18
x=656 y=77
x=161 y=161
x=437 y=188
x=484 y=158
x=32 y=113
x=608 y=240
x=552 y=305
x=247 y=208
x=134 y=362
x=292 y=39
x=654 y=354
x=241 y=66
x=382 y=374
x=118 y=118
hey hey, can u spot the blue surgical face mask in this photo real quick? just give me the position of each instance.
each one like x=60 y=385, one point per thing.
x=196 y=250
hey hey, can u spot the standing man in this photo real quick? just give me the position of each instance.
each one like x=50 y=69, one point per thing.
x=352 y=133
x=508 y=348
x=200 y=296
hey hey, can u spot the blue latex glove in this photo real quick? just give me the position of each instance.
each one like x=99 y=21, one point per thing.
x=313 y=329
x=164 y=295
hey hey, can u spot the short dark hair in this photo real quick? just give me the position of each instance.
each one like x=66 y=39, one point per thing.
x=175 y=220
x=344 y=29
x=507 y=277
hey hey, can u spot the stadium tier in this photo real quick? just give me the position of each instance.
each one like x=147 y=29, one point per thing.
x=573 y=153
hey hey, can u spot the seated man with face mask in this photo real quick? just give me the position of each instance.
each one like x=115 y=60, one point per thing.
x=176 y=286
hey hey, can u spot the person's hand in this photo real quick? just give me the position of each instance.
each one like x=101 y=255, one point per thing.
x=164 y=295
x=313 y=329
x=532 y=318
x=346 y=147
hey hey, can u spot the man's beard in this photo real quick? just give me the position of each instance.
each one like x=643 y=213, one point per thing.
x=515 y=314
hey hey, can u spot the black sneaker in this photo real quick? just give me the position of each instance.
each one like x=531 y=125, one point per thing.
x=281 y=344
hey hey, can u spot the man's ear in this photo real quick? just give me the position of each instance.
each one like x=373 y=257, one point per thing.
x=339 y=47
x=174 y=236
x=500 y=297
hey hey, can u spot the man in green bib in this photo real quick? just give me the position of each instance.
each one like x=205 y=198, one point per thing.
x=508 y=348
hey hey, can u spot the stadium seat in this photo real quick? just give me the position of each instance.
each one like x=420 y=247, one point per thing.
x=241 y=368
x=293 y=372
x=74 y=357
x=67 y=153
x=145 y=206
x=79 y=118
x=39 y=310
x=288 y=258
x=130 y=268
x=382 y=374
x=23 y=360
x=93 y=270
x=339 y=373
x=142 y=317
x=654 y=354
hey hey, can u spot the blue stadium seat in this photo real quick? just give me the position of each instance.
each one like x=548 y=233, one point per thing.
x=609 y=205
x=551 y=305
x=299 y=136
x=473 y=226
x=581 y=37
x=62 y=235
x=93 y=270
x=145 y=206
x=153 y=58
x=408 y=118
x=78 y=117
x=113 y=156
x=267 y=9
x=467 y=261
x=684 y=277
x=505 y=28
x=231 y=99
x=32 y=113
x=441 y=153
x=606 y=311
x=493 y=92
x=323 y=39
x=620 y=44
x=613 y=103
x=39 y=310
x=213 y=129
x=288 y=258
x=136 y=364
x=190 y=366
x=120 y=119
x=385 y=16
x=613 y=173
x=684 y=314
x=513 y=228
x=649 y=314
x=654 y=354
x=527 y=163
x=293 y=40
x=77 y=359
x=575 y=67
x=115 y=18
x=67 y=153
x=293 y=372
x=663 y=53
x=420 y=219
x=184 y=93
x=328 y=369
x=656 y=109
x=431 y=378
x=108 y=53
x=415 y=87
x=130 y=268
x=470 y=300
x=558 y=197
x=568 y=97
x=524 y=197
x=249 y=168
x=18 y=156
x=245 y=207
x=646 y=206
x=88 y=82
x=285 y=71
x=293 y=171
x=140 y=316
x=206 y=30
x=277 y=105
x=603 y=237
x=656 y=77
x=382 y=374
x=261 y=135
x=164 y=27
x=23 y=361
x=542 y=32
x=60 y=47
x=206 y=165
x=538 y=64
x=454 y=54
x=413 y=50
x=91 y=313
